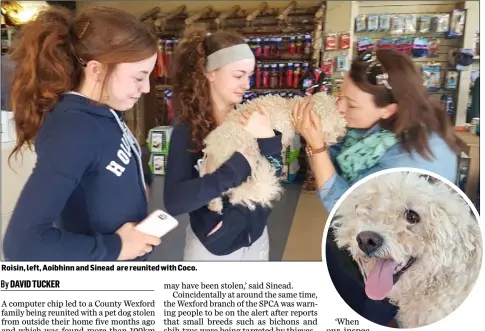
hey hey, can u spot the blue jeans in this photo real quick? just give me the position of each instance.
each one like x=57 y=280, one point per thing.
x=352 y=291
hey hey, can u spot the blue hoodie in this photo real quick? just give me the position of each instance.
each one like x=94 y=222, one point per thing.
x=88 y=177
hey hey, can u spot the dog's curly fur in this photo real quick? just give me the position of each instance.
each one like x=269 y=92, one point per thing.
x=263 y=186
x=445 y=245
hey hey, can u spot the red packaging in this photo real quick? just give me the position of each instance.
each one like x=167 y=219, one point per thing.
x=327 y=67
x=266 y=47
x=344 y=40
x=266 y=76
x=167 y=57
x=299 y=44
x=296 y=76
x=258 y=48
x=292 y=47
x=331 y=42
x=289 y=75
x=281 y=75
x=159 y=67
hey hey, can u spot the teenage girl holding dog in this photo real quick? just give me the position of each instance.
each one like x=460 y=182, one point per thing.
x=392 y=123
x=211 y=74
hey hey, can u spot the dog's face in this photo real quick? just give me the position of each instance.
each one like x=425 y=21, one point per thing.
x=404 y=230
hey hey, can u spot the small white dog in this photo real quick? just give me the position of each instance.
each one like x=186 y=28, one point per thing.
x=263 y=186
x=416 y=242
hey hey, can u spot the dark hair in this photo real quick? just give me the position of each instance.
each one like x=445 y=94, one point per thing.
x=417 y=115
x=191 y=93
x=50 y=53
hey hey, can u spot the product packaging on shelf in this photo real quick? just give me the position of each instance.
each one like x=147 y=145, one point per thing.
x=420 y=47
x=431 y=74
x=342 y=62
x=344 y=40
x=440 y=23
x=361 y=23
x=451 y=80
x=372 y=23
x=410 y=24
x=158 y=164
x=290 y=161
x=457 y=25
x=424 y=24
x=384 y=22
x=331 y=42
x=448 y=105
x=397 y=24
x=158 y=139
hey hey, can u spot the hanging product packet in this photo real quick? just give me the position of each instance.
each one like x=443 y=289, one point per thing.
x=331 y=42
x=433 y=47
x=457 y=24
x=307 y=48
x=386 y=43
x=420 y=47
x=384 y=22
x=431 y=74
x=424 y=24
x=292 y=45
x=168 y=104
x=342 y=62
x=361 y=23
x=410 y=24
x=440 y=23
x=327 y=67
x=451 y=80
x=404 y=45
x=344 y=40
x=397 y=24
x=365 y=44
x=372 y=23
x=299 y=44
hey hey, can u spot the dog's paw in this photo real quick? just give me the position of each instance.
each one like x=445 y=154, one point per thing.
x=216 y=205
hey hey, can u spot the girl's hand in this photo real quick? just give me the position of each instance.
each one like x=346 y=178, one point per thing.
x=257 y=123
x=134 y=243
x=307 y=123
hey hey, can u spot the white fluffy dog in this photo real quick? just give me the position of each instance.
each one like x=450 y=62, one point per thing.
x=263 y=186
x=416 y=242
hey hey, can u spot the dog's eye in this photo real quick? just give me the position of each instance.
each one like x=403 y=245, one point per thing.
x=412 y=216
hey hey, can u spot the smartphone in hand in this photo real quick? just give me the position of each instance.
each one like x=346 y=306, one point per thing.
x=157 y=224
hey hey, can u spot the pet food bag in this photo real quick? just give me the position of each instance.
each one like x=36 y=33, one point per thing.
x=289 y=172
x=292 y=151
x=290 y=161
x=158 y=164
x=158 y=139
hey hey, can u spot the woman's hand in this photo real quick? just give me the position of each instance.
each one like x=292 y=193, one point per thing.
x=307 y=123
x=257 y=123
x=208 y=164
x=134 y=243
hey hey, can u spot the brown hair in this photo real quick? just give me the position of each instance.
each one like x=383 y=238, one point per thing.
x=191 y=93
x=50 y=53
x=417 y=116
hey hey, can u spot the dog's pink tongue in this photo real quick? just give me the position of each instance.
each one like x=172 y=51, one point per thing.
x=380 y=281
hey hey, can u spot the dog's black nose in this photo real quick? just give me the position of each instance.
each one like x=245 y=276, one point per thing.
x=369 y=241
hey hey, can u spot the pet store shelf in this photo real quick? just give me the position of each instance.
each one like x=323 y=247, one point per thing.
x=441 y=58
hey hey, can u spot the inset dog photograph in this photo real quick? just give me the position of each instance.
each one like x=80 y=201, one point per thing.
x=404 y=248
